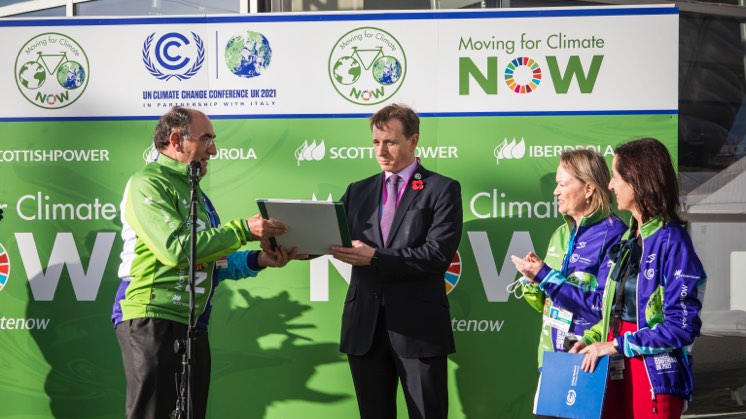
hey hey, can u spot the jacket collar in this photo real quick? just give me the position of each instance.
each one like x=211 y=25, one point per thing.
x=649 y=228
x=176 y=166
x=587 y=220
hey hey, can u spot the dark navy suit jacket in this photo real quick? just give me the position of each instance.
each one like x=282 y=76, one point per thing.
x=407 y=272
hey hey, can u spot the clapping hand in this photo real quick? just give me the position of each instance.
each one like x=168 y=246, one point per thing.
x=529 y=266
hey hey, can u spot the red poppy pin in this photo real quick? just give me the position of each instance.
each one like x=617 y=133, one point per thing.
x=417 y=185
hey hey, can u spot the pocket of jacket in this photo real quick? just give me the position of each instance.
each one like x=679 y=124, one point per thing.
x=351 y=294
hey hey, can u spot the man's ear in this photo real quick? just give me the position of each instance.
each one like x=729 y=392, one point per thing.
x=175 y=139
x=415 y=138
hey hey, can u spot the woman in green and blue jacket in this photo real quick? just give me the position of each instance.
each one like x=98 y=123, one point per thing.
x=653 y=296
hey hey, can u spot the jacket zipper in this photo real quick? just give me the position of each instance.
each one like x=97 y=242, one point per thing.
x=637 y=297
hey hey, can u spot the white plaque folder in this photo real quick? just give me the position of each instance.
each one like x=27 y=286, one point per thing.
x=313 y=226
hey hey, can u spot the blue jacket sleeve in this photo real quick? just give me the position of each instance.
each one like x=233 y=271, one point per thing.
x=584 y=302
x=683 y=286
x=241 y=264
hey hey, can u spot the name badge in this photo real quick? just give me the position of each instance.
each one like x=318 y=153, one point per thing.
x=557 y=317
x=616 y=367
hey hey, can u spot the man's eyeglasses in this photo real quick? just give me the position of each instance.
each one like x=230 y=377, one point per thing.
x=208 y=141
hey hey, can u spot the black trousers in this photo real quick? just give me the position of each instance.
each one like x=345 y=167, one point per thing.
x=377 y=373
x=153 y=369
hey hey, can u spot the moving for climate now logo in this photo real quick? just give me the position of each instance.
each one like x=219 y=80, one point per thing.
x=52 y=70
x=367 y=66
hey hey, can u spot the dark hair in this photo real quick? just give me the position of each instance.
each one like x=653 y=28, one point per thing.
x=646 y=166
x=590 y=168
x=177 y=118
x=408 y=118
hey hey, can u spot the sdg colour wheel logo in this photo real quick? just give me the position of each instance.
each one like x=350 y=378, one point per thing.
x=453 y=274
x=4 y=267
x=52 y=70
x=367 y=66
x=523 y=75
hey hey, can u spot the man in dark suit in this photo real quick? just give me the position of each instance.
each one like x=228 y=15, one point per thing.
x=406 y=226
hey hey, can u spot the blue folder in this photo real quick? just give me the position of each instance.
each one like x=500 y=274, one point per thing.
x=567 y=391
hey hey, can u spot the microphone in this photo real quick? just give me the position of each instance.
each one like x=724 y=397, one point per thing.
x=194 y=170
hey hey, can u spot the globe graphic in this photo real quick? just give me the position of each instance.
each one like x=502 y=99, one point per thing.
x=32 y=75
x=70 y=75
x=387 y=70
x=248 y=55
x=346 y=70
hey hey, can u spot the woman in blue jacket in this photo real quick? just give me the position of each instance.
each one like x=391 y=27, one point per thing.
x=567 y=286
x=653 y=297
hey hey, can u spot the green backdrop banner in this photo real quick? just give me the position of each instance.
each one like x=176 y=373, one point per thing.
x=275 y=337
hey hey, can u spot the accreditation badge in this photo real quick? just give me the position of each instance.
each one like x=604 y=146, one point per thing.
x=221 y=263
x=557 y=317
x=616 y=367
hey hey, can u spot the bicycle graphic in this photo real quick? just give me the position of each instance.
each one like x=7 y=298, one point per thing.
x=385 y=69
x=68 y=73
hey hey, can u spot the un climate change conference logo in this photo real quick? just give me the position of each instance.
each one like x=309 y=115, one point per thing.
x=367 y=66
x=52 y=70
x=173 y=52
x=4 y=267
x=248 y=54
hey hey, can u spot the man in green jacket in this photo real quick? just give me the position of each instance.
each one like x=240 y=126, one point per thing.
x=151 y=309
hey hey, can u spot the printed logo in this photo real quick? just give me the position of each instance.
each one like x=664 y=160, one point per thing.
x=679 y=274
x=367 y=66
x=515 y=149
x=453 y=274
x=581 y=245
x=52 y=70
x=511 y=150
x=4 y=267
x=650 y=273
x=571 y=396
x=248 y=54
x=664 y=361
x=176 y=297
x=651 y=258
x=310 y=152
x=173 y=54
x=574 y=258
x=523 y=75
x=150 y=154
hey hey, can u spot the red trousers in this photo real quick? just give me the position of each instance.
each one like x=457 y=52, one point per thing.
x=632 y=396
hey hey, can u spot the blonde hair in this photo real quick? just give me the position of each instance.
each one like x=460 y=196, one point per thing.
x=590 y=168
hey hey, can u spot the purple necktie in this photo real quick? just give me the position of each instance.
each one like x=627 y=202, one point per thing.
x=389 y=207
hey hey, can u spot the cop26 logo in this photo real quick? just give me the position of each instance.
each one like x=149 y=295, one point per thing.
x=173 y=53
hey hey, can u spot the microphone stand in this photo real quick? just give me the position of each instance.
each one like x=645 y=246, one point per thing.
x=184 y=401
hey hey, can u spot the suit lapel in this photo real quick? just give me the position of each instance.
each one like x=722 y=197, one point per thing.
x=410 y=194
